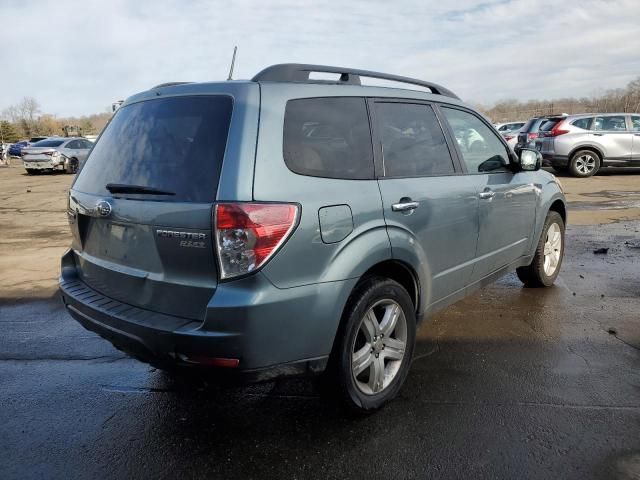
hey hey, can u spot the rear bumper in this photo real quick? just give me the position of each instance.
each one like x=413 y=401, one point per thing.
x=272 y=332
x=40 y=165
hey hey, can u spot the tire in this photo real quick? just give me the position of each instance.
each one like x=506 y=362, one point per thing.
x=71 y=166
x=31 y=171
x=387 y=355
x=535 y=274
x=584 y=163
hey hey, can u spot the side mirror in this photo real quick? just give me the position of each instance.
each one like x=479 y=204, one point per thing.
x=529 y=159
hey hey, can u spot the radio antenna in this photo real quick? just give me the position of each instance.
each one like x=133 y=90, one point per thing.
x=233 y=61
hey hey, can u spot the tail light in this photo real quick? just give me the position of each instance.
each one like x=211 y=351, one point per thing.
x=55 y=153
x=557 y=130
x=248 y=234
x=532 y=136
x=508 y=137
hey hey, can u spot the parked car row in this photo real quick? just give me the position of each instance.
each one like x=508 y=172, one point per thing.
x=581 y=144
x=48 y=154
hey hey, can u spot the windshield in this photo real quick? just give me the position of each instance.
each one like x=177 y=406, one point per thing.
x=171 y=144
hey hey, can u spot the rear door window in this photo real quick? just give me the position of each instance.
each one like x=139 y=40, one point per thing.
x=615 y=123
x=584 y=123
x=174 y=144
x=481 y=149
x=413 y=143
x=635 y=123
x=328 y=137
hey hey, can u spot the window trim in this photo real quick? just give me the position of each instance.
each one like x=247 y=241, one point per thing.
x=510 y=154
x=373 y=157
x=630 y=123
x=377 y=139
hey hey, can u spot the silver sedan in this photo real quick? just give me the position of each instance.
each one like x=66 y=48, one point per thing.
x=56 y=153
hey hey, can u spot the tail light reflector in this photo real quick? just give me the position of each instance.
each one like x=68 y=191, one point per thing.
x=248 y=234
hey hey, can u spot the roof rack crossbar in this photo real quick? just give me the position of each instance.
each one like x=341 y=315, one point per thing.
x=298 y=72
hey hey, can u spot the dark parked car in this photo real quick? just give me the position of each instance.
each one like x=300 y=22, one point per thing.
x=16 y=149
x=528 y=134
x=286 y=226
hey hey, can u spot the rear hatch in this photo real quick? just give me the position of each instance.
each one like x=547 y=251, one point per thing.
x=41 y=151
x=141 y=206
x=544 y=142
x=523 y=134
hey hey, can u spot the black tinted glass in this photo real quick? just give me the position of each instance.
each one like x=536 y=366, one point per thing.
x=413 y=142
x=583 y=123
x=172 y=144
x=328 y=137
x=48 y=143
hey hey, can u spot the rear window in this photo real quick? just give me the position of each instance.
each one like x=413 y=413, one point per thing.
x=48 y=143
x=527 y=126
x=328 y=137
x=583 y=123
x=549 y=124
x=173 y=144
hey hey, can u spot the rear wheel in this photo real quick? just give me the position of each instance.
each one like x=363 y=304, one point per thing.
x=71 y=166
x=545 y=266
x=584 y=163
x=375 y=345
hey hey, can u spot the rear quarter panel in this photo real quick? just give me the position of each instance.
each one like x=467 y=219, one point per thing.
x=305 y=258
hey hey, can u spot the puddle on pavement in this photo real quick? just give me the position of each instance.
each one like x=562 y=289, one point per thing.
x=606 y=205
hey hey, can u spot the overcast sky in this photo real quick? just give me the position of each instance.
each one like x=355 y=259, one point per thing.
x=76 y=57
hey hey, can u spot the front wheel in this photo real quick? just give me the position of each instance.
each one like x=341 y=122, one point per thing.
x=545 y=266
x=375 y=344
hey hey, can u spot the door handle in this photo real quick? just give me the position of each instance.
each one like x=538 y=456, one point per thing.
x=404 y=206
x=598 y=134
x=487 y=194
x=636 y=134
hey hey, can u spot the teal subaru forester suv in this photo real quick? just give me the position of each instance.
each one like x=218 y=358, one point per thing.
x=291 y=225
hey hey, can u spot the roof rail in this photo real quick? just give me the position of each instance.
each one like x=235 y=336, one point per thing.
x=299 y=72
x=169 y=84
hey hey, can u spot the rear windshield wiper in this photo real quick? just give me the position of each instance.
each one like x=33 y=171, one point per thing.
x=122 y=188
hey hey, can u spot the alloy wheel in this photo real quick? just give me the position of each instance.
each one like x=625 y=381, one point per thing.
x=379 y=346
x=552 y=249
x=585 y=164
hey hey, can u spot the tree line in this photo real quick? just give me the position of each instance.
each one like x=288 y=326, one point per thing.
x=25 y=119
x=625 y=99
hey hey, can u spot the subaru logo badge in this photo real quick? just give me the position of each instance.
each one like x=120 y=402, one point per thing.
x=103 y=208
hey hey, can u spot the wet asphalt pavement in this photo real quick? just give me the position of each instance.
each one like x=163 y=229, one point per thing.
x=509 y=383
